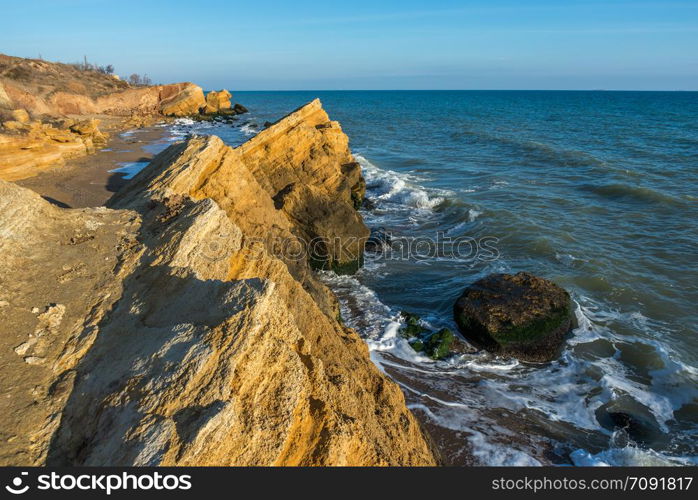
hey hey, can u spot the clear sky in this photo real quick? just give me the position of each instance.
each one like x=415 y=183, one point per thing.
x=375 y=44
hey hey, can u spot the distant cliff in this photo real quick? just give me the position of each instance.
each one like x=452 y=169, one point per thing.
x=50 y=112
x=55 y=89
x=175 y=327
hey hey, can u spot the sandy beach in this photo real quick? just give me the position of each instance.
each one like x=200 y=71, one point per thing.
x=88 y=181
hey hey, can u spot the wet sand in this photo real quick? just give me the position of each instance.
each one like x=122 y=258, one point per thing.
x=87 y=181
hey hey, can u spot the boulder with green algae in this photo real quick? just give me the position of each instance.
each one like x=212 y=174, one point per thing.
x=412 y=328
x=436 y=345
x=521 y=315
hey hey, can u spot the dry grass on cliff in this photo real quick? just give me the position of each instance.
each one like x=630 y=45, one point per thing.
x=42 y=78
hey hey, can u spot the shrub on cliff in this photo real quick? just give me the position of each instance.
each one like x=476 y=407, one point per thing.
x=139 y=81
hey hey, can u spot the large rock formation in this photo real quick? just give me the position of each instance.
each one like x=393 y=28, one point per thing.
x=217 y=101
x=32 y=146
x=520 y=315
x=292 y=185
x=169 y=330
x=182 y=100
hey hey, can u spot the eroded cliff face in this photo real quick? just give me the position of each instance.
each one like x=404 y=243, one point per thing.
x=170 y=330
x=46 y=95
x=46 y=88
x=36 y=146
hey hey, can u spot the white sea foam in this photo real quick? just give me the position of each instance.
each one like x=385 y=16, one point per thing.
x=563 y=391
x=628 y=456
x=184 y=121
x=389 y=187
x=249 y=129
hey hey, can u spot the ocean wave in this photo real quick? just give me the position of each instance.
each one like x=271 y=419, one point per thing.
x=625 y=192
x=628 y=456
x=249 y=129
x=184 y=121
x=532 y=149
x=390 y=187
x=570 y=390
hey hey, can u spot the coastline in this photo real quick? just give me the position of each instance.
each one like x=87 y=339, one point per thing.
x=88 y=181
x=452 y=399
x=174 y=214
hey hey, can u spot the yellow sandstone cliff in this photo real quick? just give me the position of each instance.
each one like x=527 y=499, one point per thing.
x=172 y=329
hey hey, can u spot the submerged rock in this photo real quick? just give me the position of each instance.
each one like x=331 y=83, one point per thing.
x=520 y=315
x=635 y=421
x=378 y=240
x=412 y=328
x=436 y=345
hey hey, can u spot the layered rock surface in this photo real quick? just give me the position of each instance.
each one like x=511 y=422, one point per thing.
x=36 y=146
x=170 y=330
x=217 y=101
x=292 y=186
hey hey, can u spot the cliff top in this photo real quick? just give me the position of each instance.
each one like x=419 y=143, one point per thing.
x=43 y=78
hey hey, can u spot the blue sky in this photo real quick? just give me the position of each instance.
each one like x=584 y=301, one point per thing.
x=407 y=44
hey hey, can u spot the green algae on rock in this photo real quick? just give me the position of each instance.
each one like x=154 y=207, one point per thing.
x=520 y=315
x=436 y=345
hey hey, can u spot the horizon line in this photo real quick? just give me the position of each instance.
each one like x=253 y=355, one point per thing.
x=463 y=90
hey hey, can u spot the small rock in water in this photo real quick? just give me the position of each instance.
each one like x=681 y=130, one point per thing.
x=413 y=328
x=368 y=204
x=436 y=345
x=240 y=109
x=378 y=240
x=633 y=418
x=520 y=315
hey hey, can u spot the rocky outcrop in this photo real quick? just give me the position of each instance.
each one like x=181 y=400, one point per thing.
x=36 y=96
x=59 y=274
x=291 y=186
x=44 y=88
x=173 y=318
x=217 y=101
x=29 y=147
x=186 y=99
x=520 y=315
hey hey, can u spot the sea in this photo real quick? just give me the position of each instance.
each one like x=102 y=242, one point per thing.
x=594 y=190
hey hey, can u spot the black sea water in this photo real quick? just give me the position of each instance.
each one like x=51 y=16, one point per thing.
x=593 y=190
